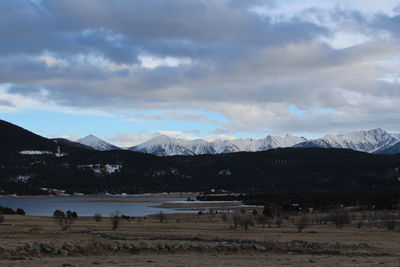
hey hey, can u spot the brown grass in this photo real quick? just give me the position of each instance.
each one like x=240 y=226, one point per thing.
x=18 y=230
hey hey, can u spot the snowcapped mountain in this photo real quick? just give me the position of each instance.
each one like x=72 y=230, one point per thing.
x=167 y=146
x=366 y=141
x=164 y=145
x=97 y=143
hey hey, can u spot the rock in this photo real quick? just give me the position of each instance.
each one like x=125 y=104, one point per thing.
x=63 y=252
x=113 y=247
x=259 y=247
x=68 y=247
x=46 y=247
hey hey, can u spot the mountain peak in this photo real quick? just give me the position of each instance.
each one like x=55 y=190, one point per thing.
x=96 y=143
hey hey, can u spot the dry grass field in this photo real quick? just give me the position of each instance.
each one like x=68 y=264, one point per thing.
x=192 y=240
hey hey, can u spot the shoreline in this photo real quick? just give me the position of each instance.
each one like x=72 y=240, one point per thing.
x=166 y=195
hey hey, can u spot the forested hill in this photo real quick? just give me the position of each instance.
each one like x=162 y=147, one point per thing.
x=29 y=162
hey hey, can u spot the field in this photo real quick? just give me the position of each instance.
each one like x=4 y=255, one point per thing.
x=193 y=240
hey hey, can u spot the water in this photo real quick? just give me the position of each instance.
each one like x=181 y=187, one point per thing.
x=104 y=205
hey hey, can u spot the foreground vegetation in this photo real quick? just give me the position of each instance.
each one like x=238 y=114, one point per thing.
x=246 y=237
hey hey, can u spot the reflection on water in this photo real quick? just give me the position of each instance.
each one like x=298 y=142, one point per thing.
x=88 y=206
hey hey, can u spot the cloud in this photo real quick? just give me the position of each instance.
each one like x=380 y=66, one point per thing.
x=247 y=60
x=6 y=103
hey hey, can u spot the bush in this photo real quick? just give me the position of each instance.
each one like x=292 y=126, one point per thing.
x=340 y=217
x=224 y=217
x=161 y=216
x=97 y=217
x=389 y=220
x=64 y=220
x=115 y=220
x=301 y=223
x=2 y=218
x=262 y=220
x=20 y=212
x=235 y=219
x=278 y=222
x=6 y=210
x=245 y=222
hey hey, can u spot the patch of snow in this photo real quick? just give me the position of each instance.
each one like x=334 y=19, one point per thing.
x=96 y=143
x=99 y=168
x=22 y=178
x=113 y=168
x=225 y=172
x=35 y=152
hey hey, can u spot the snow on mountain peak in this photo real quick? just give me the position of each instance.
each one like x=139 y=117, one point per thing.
x=165 y=146
x=96 y=143
x=366 y=141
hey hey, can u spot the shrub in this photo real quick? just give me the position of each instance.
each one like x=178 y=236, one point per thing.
x=20 y=212
x=64 y=220
x=389 y=220
x=2 y=218
x=224 y=217
x=301 y=223
x=278 y=222
x=97 y=217
x=245 y=222
x=161 y=216
x=236 y=219
x=262 y=220
x=115 y=220
x=340 y=217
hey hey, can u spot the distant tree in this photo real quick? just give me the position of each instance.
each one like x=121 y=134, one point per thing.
x=161 y=216
x=245 y=222
x=224 y=217
x=389 y=220
x=20 y=212
x=301 y=223
x=235 y=219
x=262 y=220
x=340 y=217
x=278 y=222
x=64 y=220
x=97 y=217
x=115 y=220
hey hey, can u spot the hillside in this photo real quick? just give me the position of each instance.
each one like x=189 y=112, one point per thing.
x=79 y=169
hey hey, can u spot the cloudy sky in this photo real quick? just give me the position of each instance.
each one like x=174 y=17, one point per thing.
x=128 y=70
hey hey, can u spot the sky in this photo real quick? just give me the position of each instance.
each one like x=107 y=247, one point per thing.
x=126 y=71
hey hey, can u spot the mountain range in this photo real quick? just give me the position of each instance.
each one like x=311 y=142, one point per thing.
x=31 y=164
x=376 y=141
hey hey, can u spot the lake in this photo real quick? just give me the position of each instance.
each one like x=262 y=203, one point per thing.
x=90 y=205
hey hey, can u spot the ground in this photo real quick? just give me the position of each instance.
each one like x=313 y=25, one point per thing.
x=192 y=240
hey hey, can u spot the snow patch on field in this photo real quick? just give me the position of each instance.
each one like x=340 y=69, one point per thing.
x=99 y=168
x=35 y=152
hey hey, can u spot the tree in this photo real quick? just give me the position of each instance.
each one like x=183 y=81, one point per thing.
x=97 y=217
x=20 y=212
x=262 y=220
x=161 y=216
x=64 y=220
x=302 y=223
x=115 y=220
x=340 y=217
x=389 y=220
